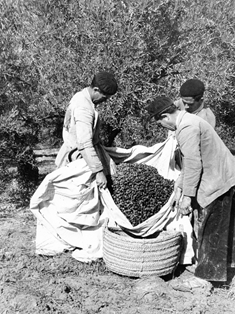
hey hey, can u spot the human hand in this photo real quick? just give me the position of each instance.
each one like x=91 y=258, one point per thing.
x=176 y=198
x=185 y=206
x=101 y=180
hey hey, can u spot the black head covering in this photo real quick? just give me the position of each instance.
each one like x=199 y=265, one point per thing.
x=192 y=88
x=106 y=82
x=158 y=106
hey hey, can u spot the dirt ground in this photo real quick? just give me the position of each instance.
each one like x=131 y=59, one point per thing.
x=40 y=284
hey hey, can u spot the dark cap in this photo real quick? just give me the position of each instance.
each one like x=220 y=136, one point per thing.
x=192 y=88
x=158 y=106
x=106 y=82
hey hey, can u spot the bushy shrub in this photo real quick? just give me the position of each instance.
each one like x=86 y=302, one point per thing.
x=20 y=191
x=19 y=182
x=139 y=191
x=207 y=33
x=50 y=49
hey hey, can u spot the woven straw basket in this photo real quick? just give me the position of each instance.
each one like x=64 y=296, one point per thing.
x=137 y=257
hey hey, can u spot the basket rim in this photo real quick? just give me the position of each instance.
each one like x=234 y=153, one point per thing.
x=169 y=234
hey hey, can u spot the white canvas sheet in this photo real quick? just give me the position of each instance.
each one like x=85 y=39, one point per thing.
x=71 y=211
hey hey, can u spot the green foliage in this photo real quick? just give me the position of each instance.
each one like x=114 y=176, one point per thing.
x=139 y=191
x=56 y=46
x=20 y=191
x=50 y=49
x=207 y=31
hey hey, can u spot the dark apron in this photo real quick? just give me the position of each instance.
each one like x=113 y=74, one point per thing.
x=216 y=238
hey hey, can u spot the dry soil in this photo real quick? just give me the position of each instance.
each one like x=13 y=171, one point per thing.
x=60 y=284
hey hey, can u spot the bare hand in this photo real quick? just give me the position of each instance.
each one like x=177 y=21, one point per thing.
x=101 y=180
x=185 y=206
x=176 y=198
